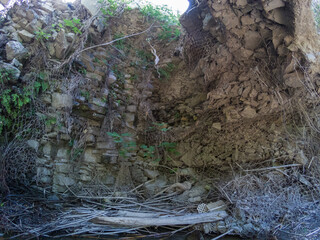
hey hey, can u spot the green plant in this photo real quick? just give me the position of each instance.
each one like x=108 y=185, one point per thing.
x=5 y=75
x=145 y=59
x=41 y=83
x=110 y=8
x=163 y=127
x=82 y=71
x=73 y=24
x=120 y=44
x=169 y=147
x=96 y=60
x=165 y=72
x=13 y=98
x=85 y=94
x=148 y=151
x=165 y=15
x=50 y=121
x=41 y=35
x=126 y=145
x=118 y=73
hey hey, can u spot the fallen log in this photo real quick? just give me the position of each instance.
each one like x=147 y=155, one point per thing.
x=189 y=219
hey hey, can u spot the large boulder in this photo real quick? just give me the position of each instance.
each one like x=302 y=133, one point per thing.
x=15 y=50
x=26 y=36
x=60 y=100
x=92 y=6
x=61 y=44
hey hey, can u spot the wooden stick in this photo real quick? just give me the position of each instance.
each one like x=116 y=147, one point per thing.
x=222 y=235
x=162 y=221
x=272 y=168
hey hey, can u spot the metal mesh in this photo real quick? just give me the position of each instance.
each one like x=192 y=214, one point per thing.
x=17 y=156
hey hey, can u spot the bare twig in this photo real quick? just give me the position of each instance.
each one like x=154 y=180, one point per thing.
x=116 y=40
x=273 y=168
x=222 y=235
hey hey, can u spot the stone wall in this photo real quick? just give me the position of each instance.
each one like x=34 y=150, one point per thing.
x=239 y=66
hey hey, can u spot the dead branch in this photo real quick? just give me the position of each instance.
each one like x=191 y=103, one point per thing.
x=162 y=221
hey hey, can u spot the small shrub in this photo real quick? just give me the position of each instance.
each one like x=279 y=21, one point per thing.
x=126 y=146
x=41 y=35
x=73 y=24
x=165 y=72
x=111 y=8
x=169 y=20
x=13 y=99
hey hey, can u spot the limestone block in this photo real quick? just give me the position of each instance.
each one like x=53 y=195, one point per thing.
x=94 y=76
x=26 y=36
x=92 y=6
x=23 y=24
x=90 y=157
x=16 y=64
x=280 y=16
x=51 y=49
x=70 y=37
x=189 y=158
x=273 y=4
x=129 y=117
x=63 y=180
x=33 y=144
x=63 y=153
x=241 y=3
x=61 y=44
x=4 y=2
x=156 y=186
x=41 y=161
x=248 y=112
x=217 y=126
x=132 y=108
x=99 y=102
x=207 y=22
x=294 y=80
x=61 y=6
x=31 y=15
x=252 y=40
x=247 y=20
x=85 y=178
x=231 y=114
x=195 y=199
x=61 y=100
x=151 y=173
x=33 y=26
x=45 y=179
x=230 y=20
x=63 y=168
x=106 y=145
x=47 y=7
x=43 y=171
x=111 y=78
x=196 y=191
x=100 y=110
x=278 y=35
x=86 y=59
x=47 y=149
x=90 y=138
x=16 y=50
x=105 y=92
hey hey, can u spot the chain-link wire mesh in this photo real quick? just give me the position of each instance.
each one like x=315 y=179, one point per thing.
x=18 y=147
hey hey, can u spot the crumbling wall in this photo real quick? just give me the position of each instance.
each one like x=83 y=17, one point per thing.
x=248 y=66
